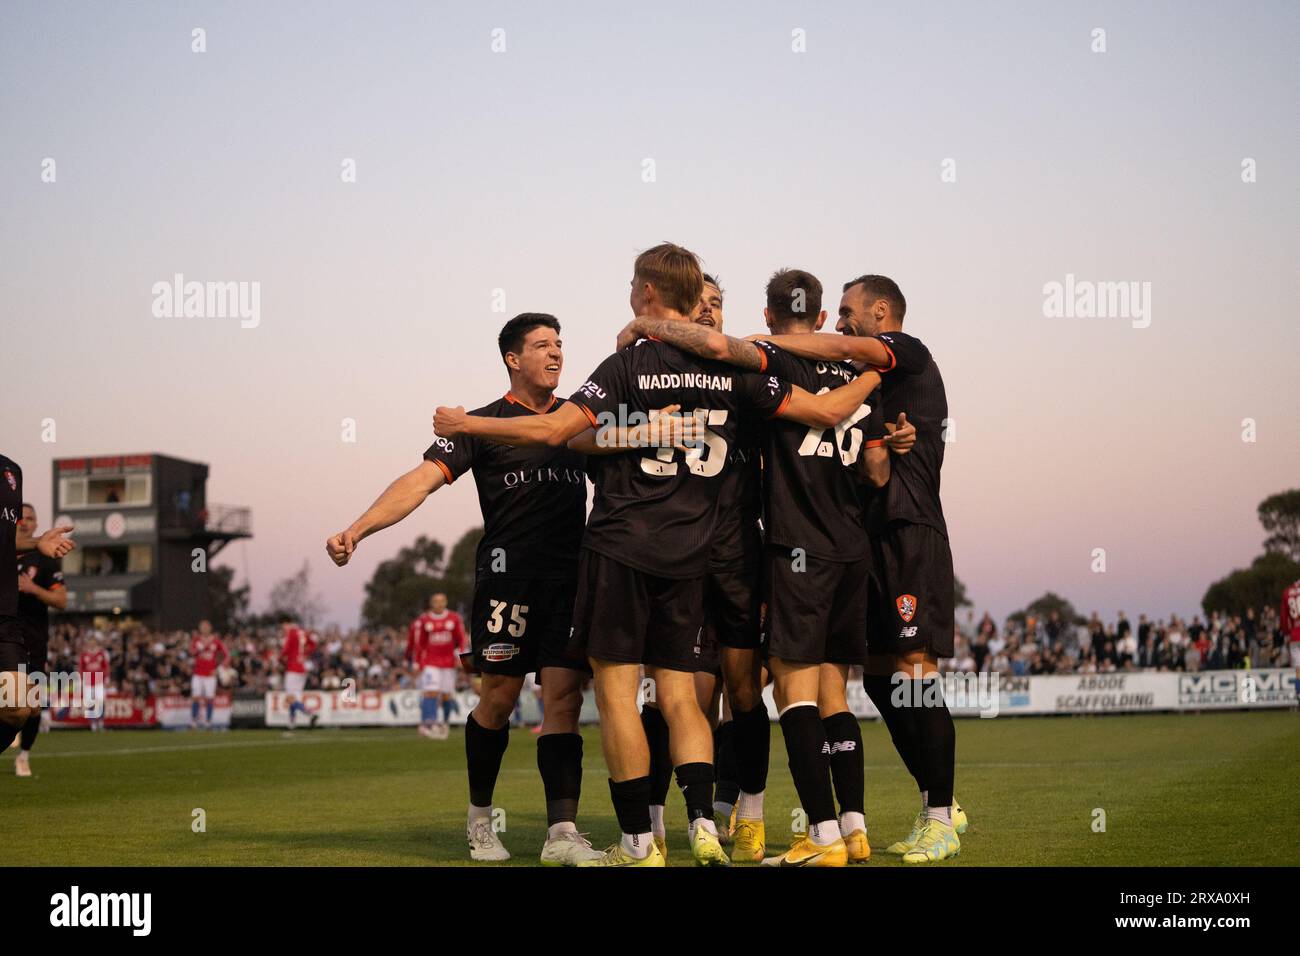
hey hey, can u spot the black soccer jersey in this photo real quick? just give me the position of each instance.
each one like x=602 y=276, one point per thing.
x=655 y=509
x=810 y=476
x=46 y=572
x=912 y=384
x=534 y=500
x=737 y=541
x=11 y=509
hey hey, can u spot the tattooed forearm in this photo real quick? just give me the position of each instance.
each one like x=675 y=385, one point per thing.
x=703 y=341
x=745 y=354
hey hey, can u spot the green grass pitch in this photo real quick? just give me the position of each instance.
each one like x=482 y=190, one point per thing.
x=1176 y=790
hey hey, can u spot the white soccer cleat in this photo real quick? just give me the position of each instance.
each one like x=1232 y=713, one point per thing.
x=21 y=767
x=425 y=731
x=484 y=845
x=568 y=848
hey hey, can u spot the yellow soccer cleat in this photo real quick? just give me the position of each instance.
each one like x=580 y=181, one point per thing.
x=748 y=841
x=804 y=852
x=859 y=849
x=909 y=841
x=938 y=842
x=617 y=856
x=707 y=848
x=661 y=844
x=959 y=821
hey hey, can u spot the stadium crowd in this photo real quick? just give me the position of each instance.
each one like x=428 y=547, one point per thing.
x=144 y=662
x=1050 y=645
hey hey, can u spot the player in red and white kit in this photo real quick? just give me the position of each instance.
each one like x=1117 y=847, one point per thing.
x=208 y=653
x=433 y=644
x=299 y=644
x=1291 y=628
x=92 y=671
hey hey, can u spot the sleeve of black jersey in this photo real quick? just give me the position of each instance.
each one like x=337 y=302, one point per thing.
x=776 y=360
x=765 y=394
x=907 y=355
x=51 y=573
x=453 y=456
x=875 y=430
x=605 y=388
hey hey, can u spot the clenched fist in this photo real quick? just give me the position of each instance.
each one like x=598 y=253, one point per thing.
x=341 y=546
x=449 y=422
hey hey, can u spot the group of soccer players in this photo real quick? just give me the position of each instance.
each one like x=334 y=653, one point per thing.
x=763 y=508
x=30 y=584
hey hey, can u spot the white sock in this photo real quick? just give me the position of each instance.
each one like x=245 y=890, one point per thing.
x=564 y=826
x=942 y=814
x=750 y=806
x=723 y=807
x=701 y=822
x=657 y=820
x=637 y=845
x=825 y=833
x=23 y=753
x=852 y=821
x=479 y=813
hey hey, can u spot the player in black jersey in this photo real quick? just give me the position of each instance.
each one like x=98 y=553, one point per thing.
x=646 y=549
x=816 y=565
x=731 y=612
x=534 y=505
x=913 y=589
x=14 y=651
x=40 y=587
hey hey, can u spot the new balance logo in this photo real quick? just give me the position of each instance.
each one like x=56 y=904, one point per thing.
x=840 y=747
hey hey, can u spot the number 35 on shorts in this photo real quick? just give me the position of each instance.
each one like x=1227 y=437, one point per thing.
x=496 y=620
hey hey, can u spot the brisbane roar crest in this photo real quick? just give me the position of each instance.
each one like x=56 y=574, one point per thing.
x=13 y=481
x=906 y=607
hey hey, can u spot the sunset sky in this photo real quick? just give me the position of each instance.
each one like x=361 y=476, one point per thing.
x=525 y=170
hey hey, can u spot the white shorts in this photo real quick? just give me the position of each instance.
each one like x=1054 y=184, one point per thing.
x=438 y=680
x=92 y=697
x=1295 y=654
x=294 y=683
x=203 y=686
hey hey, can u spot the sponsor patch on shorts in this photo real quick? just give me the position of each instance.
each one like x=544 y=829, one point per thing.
x=500 y=652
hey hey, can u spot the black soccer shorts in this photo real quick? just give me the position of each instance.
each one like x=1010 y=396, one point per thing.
x=13 y=644
x=732 y=604
x=520 y=625
x=626 y=616
x=912 y=592
x=816 y=609
x=708 y=653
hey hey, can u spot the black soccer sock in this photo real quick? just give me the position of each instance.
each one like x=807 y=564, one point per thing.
x=559 y=760
x=483 y=752
x=7 y=734
x=696 y=781
x=661 y=760
x=805 y=744
x=724 y=757
x=752 y=738
x=937 y=745
x=900 y=723
x=31 y=727
x=847 y=768
x=631 y=804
